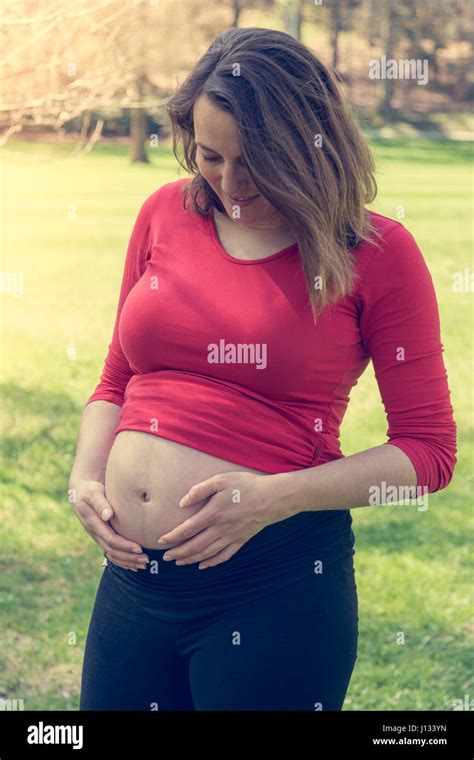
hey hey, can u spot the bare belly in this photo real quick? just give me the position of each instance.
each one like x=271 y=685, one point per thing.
x=147 y=475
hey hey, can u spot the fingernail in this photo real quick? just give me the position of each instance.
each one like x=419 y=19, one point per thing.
x=137 y=551
x=105 y=513
x=161 y=542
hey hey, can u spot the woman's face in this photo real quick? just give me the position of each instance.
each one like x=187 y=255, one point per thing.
x=219 y=161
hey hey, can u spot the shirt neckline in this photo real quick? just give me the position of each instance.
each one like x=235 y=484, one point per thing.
x=216 y=240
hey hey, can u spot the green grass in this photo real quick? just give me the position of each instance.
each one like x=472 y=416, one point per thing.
x=412 y=567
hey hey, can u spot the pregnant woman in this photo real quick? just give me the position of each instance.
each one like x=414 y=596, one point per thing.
x=254 y=294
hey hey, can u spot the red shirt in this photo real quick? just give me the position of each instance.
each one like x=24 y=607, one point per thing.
x=222 y=354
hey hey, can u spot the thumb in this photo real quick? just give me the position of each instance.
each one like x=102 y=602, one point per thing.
x=102 y=507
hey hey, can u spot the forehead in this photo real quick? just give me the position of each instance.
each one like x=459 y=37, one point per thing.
x=215 y=128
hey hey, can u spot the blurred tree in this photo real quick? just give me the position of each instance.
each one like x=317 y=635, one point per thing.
x=438 y=24
x=341 y=19
x=292 y=15
x=237 y=9
x=95 y=63
x=138 y=121
x=62 y=62
x=420 y=30
x=392 y=24
x=373 y=21
x=335 y=29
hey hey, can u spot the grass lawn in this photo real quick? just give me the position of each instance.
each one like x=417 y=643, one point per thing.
x=65 y=226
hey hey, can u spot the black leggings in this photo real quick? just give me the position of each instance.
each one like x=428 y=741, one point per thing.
x=270 y=629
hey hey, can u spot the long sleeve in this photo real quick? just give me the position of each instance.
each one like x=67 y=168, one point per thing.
x=400 y=330
x=116 y=371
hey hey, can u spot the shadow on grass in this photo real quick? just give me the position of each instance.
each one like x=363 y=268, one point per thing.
x=39 y=441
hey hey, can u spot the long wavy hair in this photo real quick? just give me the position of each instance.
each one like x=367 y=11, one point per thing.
x=301 y=143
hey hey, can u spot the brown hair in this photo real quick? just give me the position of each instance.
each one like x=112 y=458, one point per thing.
x=282 y=98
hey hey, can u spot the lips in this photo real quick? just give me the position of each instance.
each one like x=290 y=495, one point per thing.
x=241 y=200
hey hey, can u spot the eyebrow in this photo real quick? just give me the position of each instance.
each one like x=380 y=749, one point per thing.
x=206 y=147
x=211 y=149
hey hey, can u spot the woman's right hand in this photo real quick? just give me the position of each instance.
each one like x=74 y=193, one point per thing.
x=93 y=511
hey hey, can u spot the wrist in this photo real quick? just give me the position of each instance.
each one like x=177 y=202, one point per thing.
x=283 y=495
x=77 y=476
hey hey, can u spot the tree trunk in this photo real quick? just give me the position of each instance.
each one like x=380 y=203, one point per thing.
x=237 y=8
x=293 y=17
x=386 y=108
x=138 y=129
x=373 y=25
x=138 y=120
x=335 y=30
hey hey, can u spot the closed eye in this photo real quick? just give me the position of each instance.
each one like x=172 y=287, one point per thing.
x=215 y=159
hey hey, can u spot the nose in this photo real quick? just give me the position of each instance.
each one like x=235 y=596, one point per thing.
x=234 y=181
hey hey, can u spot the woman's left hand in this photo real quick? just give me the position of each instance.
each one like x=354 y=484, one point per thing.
x=240 y=505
